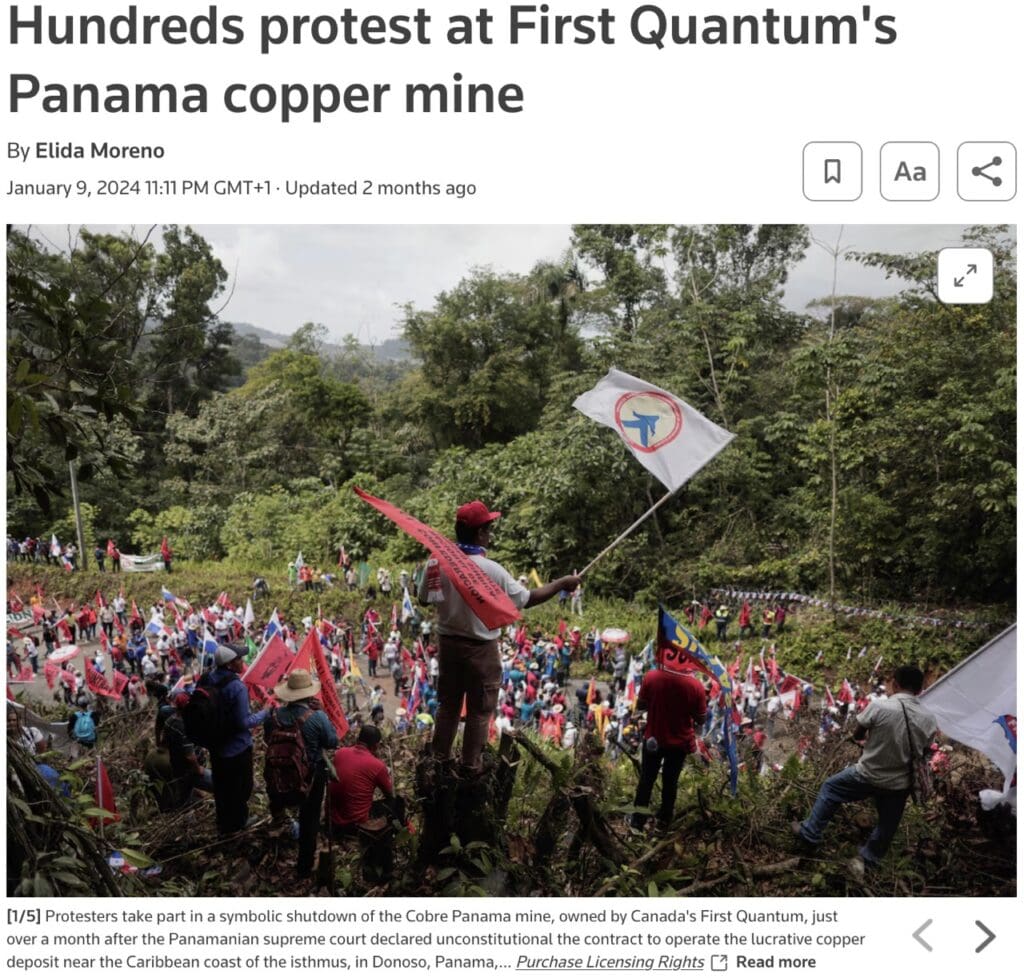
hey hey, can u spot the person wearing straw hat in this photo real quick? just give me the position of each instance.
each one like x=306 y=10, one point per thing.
x=469 y=658
x=296 y=735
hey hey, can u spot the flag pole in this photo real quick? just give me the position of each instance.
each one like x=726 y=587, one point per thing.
x=622 y=536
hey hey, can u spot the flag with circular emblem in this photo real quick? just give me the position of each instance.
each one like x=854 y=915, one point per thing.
x=671 y=439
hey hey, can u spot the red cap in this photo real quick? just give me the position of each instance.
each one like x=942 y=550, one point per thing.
x=475 y=514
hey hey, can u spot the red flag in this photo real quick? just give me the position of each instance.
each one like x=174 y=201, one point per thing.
x=165 y=550
x=790 y=682
x=65 y=630
x=25 y=676
x=328 y=694
x=119 y=681
x=97 y=683
x=51 y=671
x=16 y=603
x=705 y=616
x=224 y=601
x=136 y=614
x=487 y=600
x=105 y=794
x=273 y=661
x=829 y=698
x=104 y=644
x=118 y=625
x=14 y=632
x=562 y=625
x=70 y=679
x=111 y=548
x=846 y=692
x=100 y=600
x=37 y=613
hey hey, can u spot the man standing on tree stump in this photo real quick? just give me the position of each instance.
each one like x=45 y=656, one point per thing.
x=470 y=664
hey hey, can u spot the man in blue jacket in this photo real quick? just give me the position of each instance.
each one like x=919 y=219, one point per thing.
x=231 y=758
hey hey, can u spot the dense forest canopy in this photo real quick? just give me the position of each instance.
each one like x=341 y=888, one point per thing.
x=875 y=448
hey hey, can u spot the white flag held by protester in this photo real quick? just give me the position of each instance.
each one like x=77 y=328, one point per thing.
x=672 y=440
x=975 y=703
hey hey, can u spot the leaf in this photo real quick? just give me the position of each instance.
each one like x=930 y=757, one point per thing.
x=137 y=859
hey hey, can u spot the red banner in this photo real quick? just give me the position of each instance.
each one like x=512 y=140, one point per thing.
x=273 y=661
x=97 y=683
x=488 y=601
x=312 y=649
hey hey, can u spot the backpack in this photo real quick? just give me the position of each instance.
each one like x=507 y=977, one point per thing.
x=286 y=769
x=204 y=717
x=84 y=729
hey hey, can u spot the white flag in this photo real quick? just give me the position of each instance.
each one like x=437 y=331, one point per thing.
x=976 y=702
x=250 y=616
x=672 y=440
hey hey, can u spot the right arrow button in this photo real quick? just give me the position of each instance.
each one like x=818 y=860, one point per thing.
x=988 y=940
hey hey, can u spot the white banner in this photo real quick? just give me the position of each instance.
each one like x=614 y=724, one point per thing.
x=145 y=563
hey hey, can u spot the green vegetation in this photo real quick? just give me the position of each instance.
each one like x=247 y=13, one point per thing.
x=874 y=458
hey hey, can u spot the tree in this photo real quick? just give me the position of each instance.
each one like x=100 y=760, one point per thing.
x=488 y=350
x=68 y=373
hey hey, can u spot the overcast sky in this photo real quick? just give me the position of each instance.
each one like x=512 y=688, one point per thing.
x=352 y=278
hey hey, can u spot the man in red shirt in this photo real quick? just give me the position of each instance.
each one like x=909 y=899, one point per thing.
x=359 y=773
x=675 y=705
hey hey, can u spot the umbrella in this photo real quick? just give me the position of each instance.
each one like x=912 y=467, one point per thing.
x=62 y=654
x=615 y=636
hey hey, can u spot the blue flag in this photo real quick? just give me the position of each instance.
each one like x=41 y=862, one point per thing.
x=679 y=649
x=729 y=745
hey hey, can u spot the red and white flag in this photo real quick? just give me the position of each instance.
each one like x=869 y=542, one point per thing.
x=668 y=437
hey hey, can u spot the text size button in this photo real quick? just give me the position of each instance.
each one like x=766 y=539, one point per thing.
x=909 y=171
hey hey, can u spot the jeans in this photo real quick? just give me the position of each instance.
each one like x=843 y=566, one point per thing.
x=848 y=786
x=669 y=760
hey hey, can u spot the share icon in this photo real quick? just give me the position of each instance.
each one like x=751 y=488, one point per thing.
x=986 y=171
x=979 y=171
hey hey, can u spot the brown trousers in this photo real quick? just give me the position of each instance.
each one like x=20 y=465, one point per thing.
x=469 y=668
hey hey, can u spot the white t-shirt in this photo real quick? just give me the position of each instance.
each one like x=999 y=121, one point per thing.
x=454 y=616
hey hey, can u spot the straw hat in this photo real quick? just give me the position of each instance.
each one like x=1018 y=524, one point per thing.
x=557 y=708
x=299 y=685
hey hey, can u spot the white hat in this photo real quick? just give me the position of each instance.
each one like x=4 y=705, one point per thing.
x=224 y=655
x=557 y=708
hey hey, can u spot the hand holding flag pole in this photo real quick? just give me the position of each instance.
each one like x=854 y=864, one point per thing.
x=672 y=440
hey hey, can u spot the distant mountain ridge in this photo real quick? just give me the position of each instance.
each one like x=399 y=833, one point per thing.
x=391 y=349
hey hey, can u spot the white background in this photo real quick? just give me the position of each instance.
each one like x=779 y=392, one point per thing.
x=609 y=134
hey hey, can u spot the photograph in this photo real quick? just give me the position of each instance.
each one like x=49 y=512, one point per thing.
x=468 y=560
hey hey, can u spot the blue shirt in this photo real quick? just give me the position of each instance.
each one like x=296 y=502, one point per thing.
x=234 y=700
